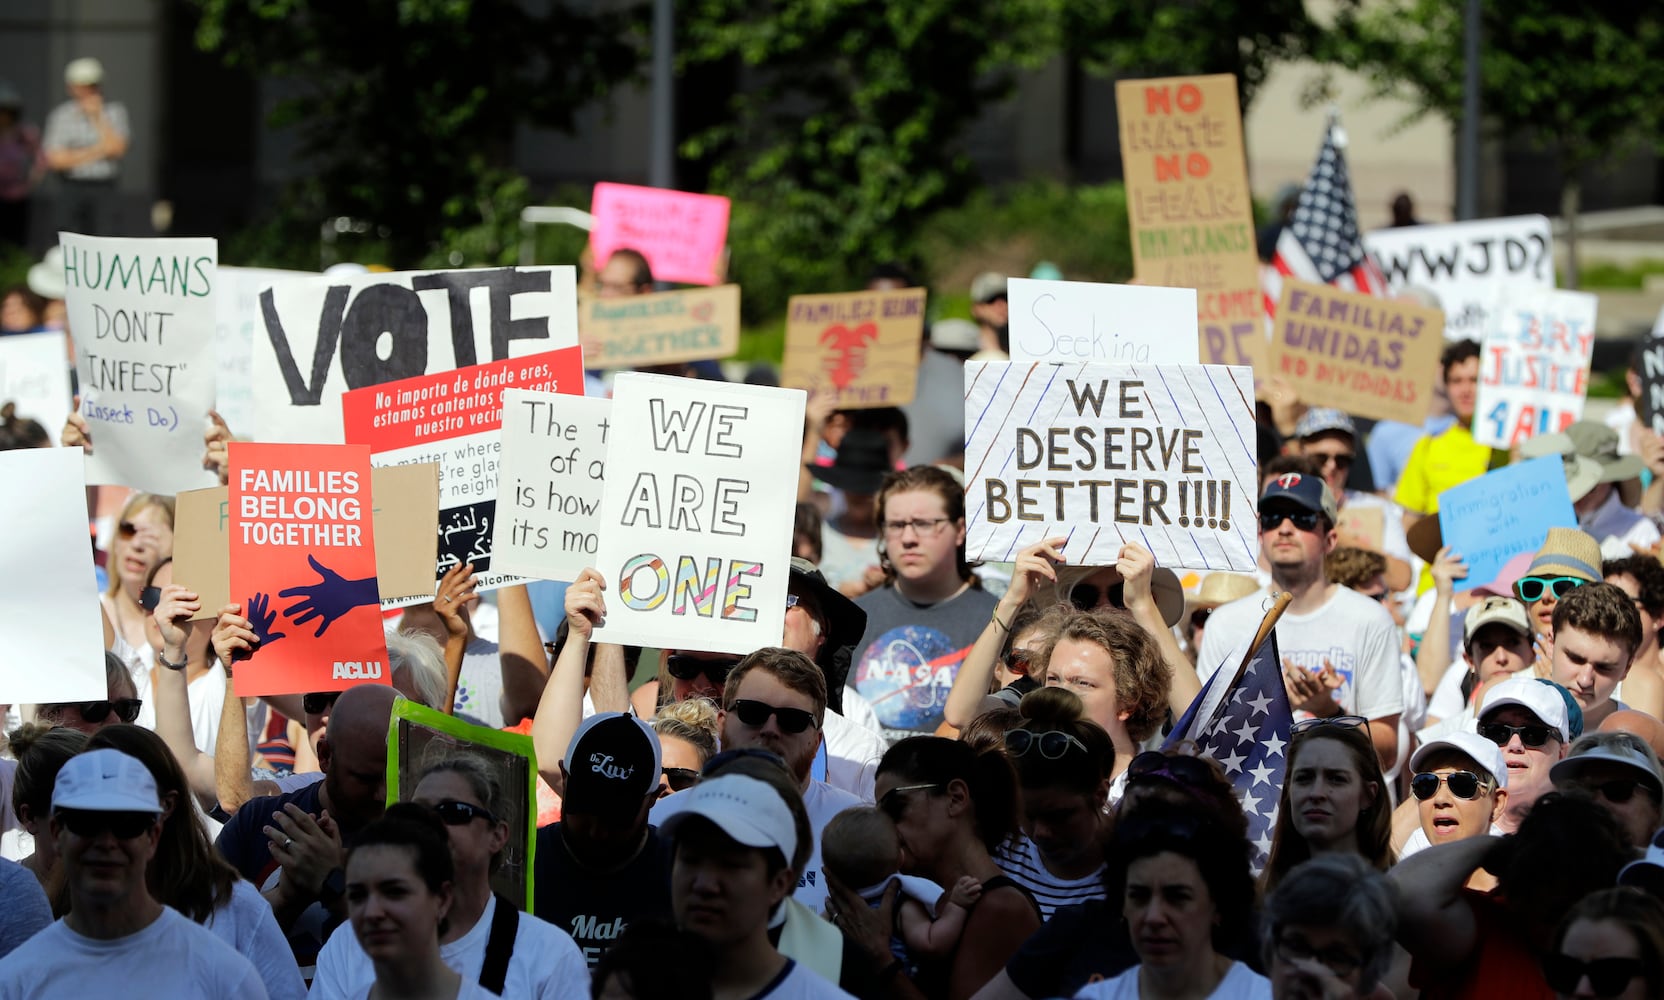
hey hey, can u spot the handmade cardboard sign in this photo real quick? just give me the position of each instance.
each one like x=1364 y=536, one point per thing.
x=34 y=375
x=49 y=608
x=1534 y=369
x=639 y=330
x=1109 y=454
x=1361 y=527
x=862 y=346
x=236 y=321
x=1358 y=353
x=326 y=335
x=1473 y=267
x=1188 y=205
x=1490 y=520
x=143 y=316
x=682 y=235
x=455 y=419
x=1081 y=321
x=302 y=539
x=549 y=486
x=696 y=514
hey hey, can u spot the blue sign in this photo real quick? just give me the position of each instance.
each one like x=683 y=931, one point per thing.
x=1489 y=520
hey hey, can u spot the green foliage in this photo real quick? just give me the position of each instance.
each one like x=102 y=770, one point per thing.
x=14 y=266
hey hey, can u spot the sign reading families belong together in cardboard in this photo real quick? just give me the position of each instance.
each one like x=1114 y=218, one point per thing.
x=639 y=330
x=861 y=346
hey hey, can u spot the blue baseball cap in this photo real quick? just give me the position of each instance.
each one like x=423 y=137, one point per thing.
x=1310 y=492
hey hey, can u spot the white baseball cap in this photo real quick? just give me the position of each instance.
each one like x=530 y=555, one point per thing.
x=105 y=781
x=1540 y=699
x=1471 y=745
x=746 y=809
x=84 y=72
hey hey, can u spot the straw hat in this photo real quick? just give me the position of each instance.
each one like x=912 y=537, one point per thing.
x=1223 y=588
x=1567 y=552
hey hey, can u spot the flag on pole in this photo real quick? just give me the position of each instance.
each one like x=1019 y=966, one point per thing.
x=1241 y=719
x=1322 y=243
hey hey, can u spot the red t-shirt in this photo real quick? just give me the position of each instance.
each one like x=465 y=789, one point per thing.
x=1502 y=963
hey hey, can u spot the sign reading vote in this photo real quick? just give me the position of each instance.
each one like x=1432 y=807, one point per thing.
x=1110 y=454
x=1534 y=367
x=637 y=330
x=682 y=235
x=1081 y=321
x=143 y=316
x=1471 y=266
x=1188 y=205
x=1366 y=355
x=237 y=322
x=861 y=346
x=1490 y=520
x=549 y=490
x=696 y=513
x=324 y=336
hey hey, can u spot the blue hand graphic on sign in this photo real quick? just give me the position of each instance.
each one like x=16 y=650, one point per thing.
x=328 y=599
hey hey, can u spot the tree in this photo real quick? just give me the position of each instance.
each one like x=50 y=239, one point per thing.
x=410 y=106
x=1581 y=78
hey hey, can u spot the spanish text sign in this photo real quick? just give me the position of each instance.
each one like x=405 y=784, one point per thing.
x=696 y=514
x=1080 y=321
x=1534 y=367
x=636 y=330
x=1358 y=353
x=549 y=490
x=1490 y=520
x=1110 y=454
x=1188 y=205
x=682 y=235
x=862 y=346
x=143 y=316
x=1471 y=266
x=302 y=541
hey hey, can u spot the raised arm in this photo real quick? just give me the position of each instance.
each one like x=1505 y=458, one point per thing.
x=609 y=679
x=1433 y=656
x=970 y=685
x=233 y=782
x=561 y=708
x=171 y=691
x=456 y=595
x=1436 y=922
x=1137 y=568
x=524 y=664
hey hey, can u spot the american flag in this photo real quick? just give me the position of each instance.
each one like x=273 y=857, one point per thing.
x=1321 y=243
x=1245 y=727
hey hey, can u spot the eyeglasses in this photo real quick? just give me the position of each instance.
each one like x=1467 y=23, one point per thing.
x=1017 y=661
x=1181 y=769
x=686 y=668
x=1530 y=588
x=1502 y=734
x=1052 y=745
x=149 y=597
x=1340 y=961
x=923 y=527
x=893 y=806
x=126 y=709
x=91 y=823
x=1305 y=520
x=454 y=813
x=319 y=702
x=1618 y=790
x=755 y=714
x=1085 y=596
x=1608 y=976
x=1343 y=721
x=1463 y=785
x=680 y=779
x=1340 y=461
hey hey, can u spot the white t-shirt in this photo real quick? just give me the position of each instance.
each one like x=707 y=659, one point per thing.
x=479 y=687
x=173 y=957
x=1447 y=701
x=798 y=982
x=206 y=695
x=844 y=559
x=822 y=801
x=1418 y=841
x=1020 y=859
x=852 y=755
x=1240 y=983
x=1617 y=527
x=247 y=924
x=859 y=710
x=464 y=991
x=546 y=964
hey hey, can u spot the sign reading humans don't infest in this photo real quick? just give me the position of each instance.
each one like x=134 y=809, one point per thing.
x=1110 y=454
x=143 y=316
x=696 y=514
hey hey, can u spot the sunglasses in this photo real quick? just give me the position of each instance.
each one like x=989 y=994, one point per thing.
x=1342 y=462
x=680 y=779
x=1608 y=976
x=1017 y=661
x=1085 y=596
x=893 y=805
x=1463 y=785
x=1192 y=772
x=755 y=714
x=92 y=823
x=687 y=668
x=126 y=709
x=1052 y=745
x=1305 y=520
x=127 y=529
x=453 y=813
x=1618 y=790
x=1502 y=734
x=149 y=597
x=319 y=702
x=1343 y=721
x=1530 y=588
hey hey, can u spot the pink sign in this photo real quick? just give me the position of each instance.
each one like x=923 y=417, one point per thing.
x=680 y=234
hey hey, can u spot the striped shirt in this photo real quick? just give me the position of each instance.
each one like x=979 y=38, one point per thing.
x=68 y=127
x=1020 y=859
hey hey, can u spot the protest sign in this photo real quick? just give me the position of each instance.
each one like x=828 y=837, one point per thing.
x=301 y=530
x=49 y=604
x=143 y=316
x=326 y=335
x=682 y=235
x=1082 y=321
x=454 y=419
x=1490 y=520
x=862 y=346
x=1534 y=367
x=405 y=510
x=1110 y=454
x=420 y=738
x=236 y=321
x=1358 y=353
x=1188 y=206
x=1651 y=404
x=1473 y=267
x=637 y=330
x=1361 y=527
x=34 y=374
x=696 y=514
x=554 y=462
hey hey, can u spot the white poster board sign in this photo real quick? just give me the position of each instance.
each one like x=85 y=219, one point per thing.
x=549 y=490
x=325 y=335
x=49 y=614
x=237 y=320
x=34 y=374
x=1473 y=267
x=1534 y=367
x=697 y=512
x=1110 y=454
x=1085 y=322
x=143 y=316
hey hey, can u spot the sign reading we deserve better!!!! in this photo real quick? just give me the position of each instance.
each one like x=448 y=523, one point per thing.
x=143 y=316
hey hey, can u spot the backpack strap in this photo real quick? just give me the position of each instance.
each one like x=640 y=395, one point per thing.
x=499 y=947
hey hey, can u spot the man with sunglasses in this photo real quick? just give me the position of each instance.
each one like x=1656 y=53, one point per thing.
x=1330 y=439
x=1532 y=721
x=107 y=821
x=1619 y=771
x=1458 y=790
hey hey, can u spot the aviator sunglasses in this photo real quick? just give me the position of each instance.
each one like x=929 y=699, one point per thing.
x=1463 y=785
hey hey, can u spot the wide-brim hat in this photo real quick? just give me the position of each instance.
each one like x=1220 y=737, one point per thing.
x=46 y=278
x=1599 y=443
x=1426 y=538
x=1582 y=474
x=862 y=462
x=1223 y=588
x=1164 y=587
x=1567 y=552
x=845 y=624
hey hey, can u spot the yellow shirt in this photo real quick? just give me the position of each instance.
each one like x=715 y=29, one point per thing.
x=1435 y=465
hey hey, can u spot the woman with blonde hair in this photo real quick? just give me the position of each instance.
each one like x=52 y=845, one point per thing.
x=143 y=538
x=687 y=732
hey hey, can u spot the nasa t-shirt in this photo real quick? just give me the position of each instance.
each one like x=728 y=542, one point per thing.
x=910 y=653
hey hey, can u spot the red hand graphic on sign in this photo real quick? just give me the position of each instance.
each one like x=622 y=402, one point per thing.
x=849 y=355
